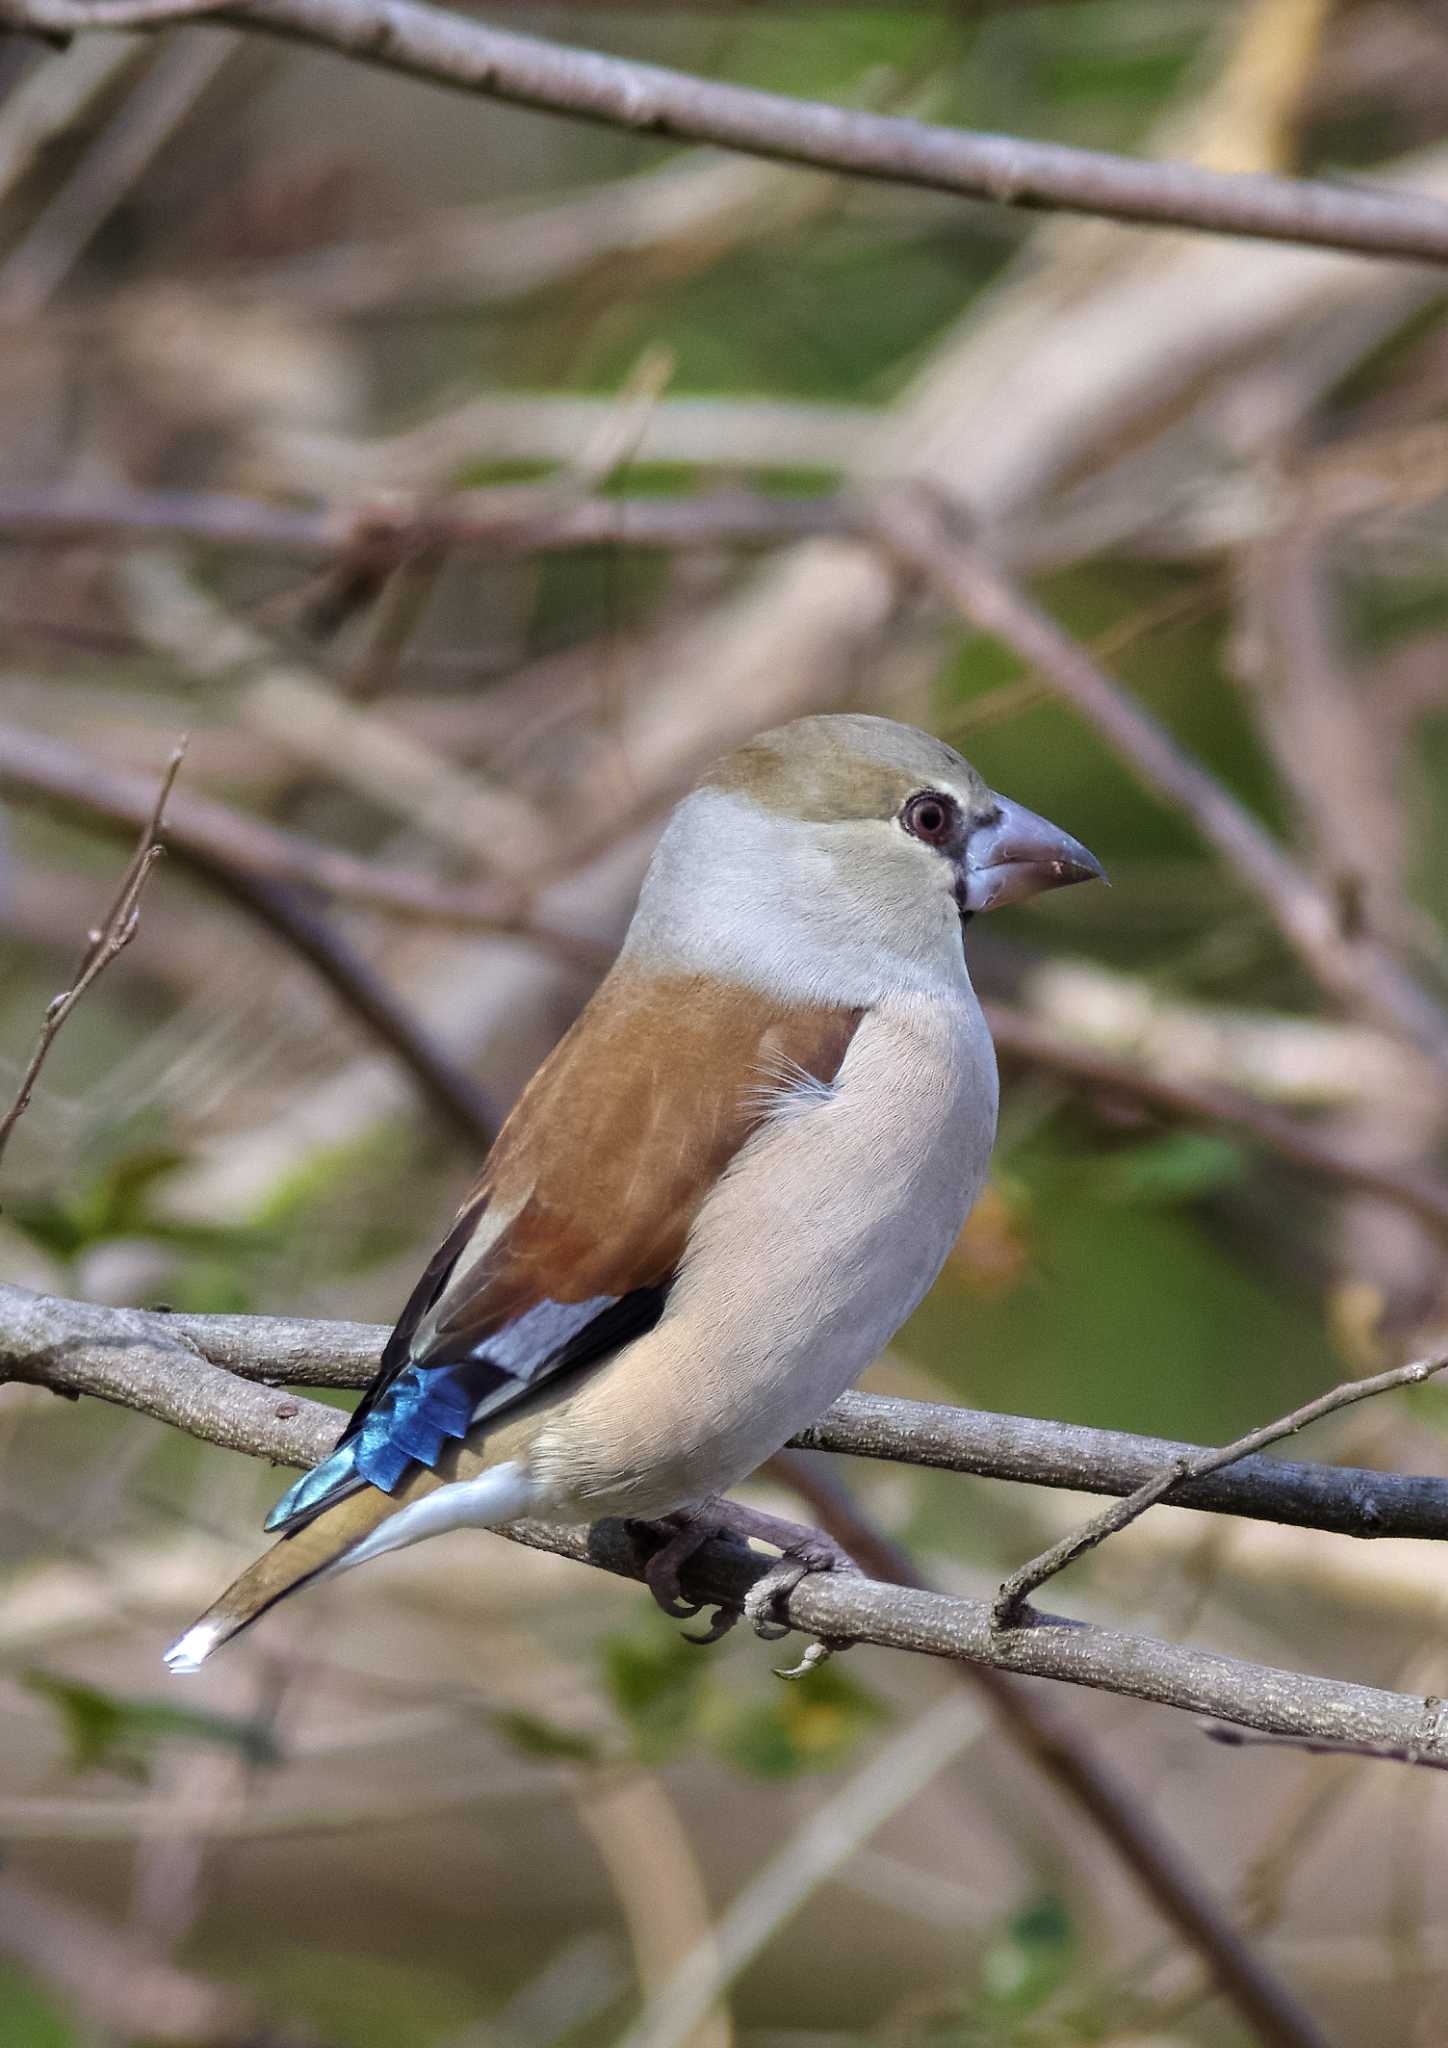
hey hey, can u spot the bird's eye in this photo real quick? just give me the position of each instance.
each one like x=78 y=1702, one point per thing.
x=930 y=817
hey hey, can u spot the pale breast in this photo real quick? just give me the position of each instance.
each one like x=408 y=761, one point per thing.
x=823 y=1236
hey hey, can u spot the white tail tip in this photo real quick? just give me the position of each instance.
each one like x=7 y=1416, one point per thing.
x=189 y=1652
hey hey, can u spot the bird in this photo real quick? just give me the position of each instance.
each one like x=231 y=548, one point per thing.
x=732 y=1180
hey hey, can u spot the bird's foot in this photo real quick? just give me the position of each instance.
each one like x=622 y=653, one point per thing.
x=803 y=1551
x=683 y=1534
x=675 y=1538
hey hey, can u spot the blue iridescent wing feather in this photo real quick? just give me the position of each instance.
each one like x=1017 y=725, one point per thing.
x=412 y=1413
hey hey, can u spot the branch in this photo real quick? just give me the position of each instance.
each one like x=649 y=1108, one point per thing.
x=112 y=936
x=151 y=1363
x=1246 y=1738
x=452 y=50
x=1020 y=1037
x=158 y=1364
x=455 y=1098
x=506 y=519
x=208 y=836
x=1065 y=1756
x=293 y=1352
x=1010 y=1610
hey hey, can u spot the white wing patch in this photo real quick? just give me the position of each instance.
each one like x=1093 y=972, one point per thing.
x=786 y=1090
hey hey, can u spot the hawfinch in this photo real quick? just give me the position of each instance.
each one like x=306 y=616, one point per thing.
x=725 y=1189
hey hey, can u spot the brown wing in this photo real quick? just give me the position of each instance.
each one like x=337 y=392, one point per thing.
x=565 y=1250
x=614 y=1145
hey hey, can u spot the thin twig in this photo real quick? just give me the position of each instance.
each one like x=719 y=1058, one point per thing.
x=1248 y=1738
x=647 y=99
x=1010 y=1609
x=897 y=1773
x=111 y=936
x=55 y=99
x=37 y=266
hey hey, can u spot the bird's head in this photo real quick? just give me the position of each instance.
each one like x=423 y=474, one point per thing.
x=842 y=847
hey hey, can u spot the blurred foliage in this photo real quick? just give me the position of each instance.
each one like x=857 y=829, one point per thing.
x=669 y=1698
x=109 y=1733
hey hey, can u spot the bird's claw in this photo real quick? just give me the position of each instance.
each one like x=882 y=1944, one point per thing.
x=816 y=1653
x=725 y=1618
x=683 y=1536
x=804 y=1551
x=814 y=1552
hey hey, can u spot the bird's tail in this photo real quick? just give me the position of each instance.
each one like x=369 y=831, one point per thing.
x=477 y=1484
x=321 y=1545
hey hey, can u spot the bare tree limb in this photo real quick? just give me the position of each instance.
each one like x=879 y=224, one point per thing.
x=114 y=933
x=207 y=835
x=1019 y=1036
x=72 y=17
x=445 y=1086
x=1011 y=1606
x=286 y=1352
x=37 y=266
x=155 y=1363
x=149 y=1362
x=1347 y=1500
x=504 y=519
x=452 y=50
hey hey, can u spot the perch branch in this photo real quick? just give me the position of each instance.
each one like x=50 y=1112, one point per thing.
x=157 y=1364
x=286 y=1352
x=150 y=1362
x=453 y=50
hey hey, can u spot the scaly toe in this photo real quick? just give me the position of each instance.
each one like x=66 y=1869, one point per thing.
x=761 y=1602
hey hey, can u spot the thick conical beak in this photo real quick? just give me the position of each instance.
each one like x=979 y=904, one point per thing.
x=1015 y=855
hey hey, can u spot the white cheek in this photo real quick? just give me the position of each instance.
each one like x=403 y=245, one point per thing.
x=808 y=913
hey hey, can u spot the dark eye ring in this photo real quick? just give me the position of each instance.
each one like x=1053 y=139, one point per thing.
x=930 y=817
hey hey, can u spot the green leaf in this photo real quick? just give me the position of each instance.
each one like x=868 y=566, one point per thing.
x=31 y=2021
x=545 y=1740
x=1181 y=1166
x=106 y=1731
x=1030 y=1959
x=655 y=1681
x=810 y=1726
